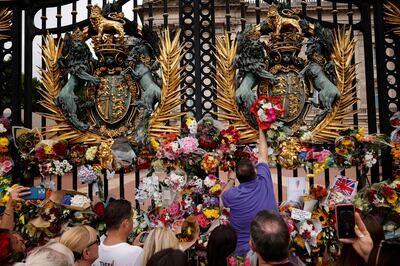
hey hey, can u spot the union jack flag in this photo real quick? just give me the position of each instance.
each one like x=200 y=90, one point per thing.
x=345 y=185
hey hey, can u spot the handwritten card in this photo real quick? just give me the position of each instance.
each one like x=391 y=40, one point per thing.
x=300 y=215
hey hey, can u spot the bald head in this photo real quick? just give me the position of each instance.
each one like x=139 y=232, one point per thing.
x=270 y=236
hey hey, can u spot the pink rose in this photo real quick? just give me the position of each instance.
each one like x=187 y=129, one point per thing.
x=174 y=208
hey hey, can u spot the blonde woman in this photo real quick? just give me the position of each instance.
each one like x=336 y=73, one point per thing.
x=51 y=254
x=158 y=239
x=83 y=241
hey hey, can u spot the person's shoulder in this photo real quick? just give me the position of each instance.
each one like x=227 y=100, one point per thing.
x=131 y=248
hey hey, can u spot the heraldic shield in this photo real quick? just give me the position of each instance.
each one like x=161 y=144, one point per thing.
x=112 y=97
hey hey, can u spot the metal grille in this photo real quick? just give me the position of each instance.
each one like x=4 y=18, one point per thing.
x=200 y=21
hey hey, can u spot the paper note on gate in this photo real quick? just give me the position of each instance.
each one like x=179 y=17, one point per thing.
x=300 y=215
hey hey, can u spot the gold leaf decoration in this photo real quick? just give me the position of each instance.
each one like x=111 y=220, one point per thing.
x=226 y=89
x=5 y=22
x=50 y=74
x=171 y=54
x=392 y=16
x=343 y=51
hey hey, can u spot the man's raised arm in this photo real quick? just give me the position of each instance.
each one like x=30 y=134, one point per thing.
x=262 y=148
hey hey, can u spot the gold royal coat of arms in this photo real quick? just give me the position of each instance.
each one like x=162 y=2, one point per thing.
x=117 y=92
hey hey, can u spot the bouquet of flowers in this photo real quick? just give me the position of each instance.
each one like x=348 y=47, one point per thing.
x=208 y=134
x=209 y=163
x=49 y=150
x=77 y=154
x=238 y=261
x=355 y=148
x=382 y=199
x=189 y=126
x=267 y=110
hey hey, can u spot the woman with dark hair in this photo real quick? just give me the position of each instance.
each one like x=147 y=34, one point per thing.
x=375 y=230
x=168 y=257
x=386 y=253
x=221 y=244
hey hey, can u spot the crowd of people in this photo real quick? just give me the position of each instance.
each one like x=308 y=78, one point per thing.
x=256 y=231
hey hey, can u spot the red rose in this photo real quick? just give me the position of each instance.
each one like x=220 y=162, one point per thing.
x=39 y=154
x=99 y=209
x=60 y=149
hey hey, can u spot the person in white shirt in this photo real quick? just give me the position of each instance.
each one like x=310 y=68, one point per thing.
x=114 y=251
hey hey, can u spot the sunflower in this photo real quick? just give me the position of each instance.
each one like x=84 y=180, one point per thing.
x=18 y=207
x=392 y=199
x=321 y=216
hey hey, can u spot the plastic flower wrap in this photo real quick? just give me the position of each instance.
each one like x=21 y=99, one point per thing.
x=149 y=189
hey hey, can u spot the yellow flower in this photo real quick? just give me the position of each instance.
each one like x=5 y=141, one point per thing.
x=155 y=144
x=215 y=188
x=189 y=121
x=5 y=181
x=18 y=206
x=48 y=149
x=4 y=142
x=393 y=199
x=360 y=134
x=346 y=142
x=211 y=213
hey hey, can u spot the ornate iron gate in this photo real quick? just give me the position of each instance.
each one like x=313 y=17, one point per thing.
x=200 y=21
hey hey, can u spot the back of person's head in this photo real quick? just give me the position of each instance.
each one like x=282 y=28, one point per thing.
x=374 y=227
x=12 y=247
x=386 y=253
x=158 y=239
x=116 y=212
x=79 y=239
x=221 y=244
x=245 y=171
x=270 y=236
x=51 y=254
x=168 y=257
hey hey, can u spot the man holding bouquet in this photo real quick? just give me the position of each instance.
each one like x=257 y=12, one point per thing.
x=254 y=194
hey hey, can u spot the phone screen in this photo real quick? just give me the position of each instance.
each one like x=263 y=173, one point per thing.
x=143 y=237
x=345 y=221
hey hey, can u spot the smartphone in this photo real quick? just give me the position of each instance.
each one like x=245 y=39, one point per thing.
x=345 y=221
x=143 y=237
x=37 y=193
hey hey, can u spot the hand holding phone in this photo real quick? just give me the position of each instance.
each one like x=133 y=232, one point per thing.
x=345 y=221
x=18 y=193
x=36 y=193
x=143 y=237
x=362 y=243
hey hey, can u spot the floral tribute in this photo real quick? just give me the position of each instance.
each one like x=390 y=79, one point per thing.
x=314 y=238
x=382 y=200
x=267 y=110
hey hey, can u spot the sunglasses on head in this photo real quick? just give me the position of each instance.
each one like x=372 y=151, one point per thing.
x=78 y=256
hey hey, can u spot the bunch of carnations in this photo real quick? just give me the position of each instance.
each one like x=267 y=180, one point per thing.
x=267 y=110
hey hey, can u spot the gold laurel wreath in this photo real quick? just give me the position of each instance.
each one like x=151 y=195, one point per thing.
x=170 y=58
x=392 y=16
x=50 y=75
x=226 y=89
x=5 y=22
x=328 y=129
x=343 y=50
